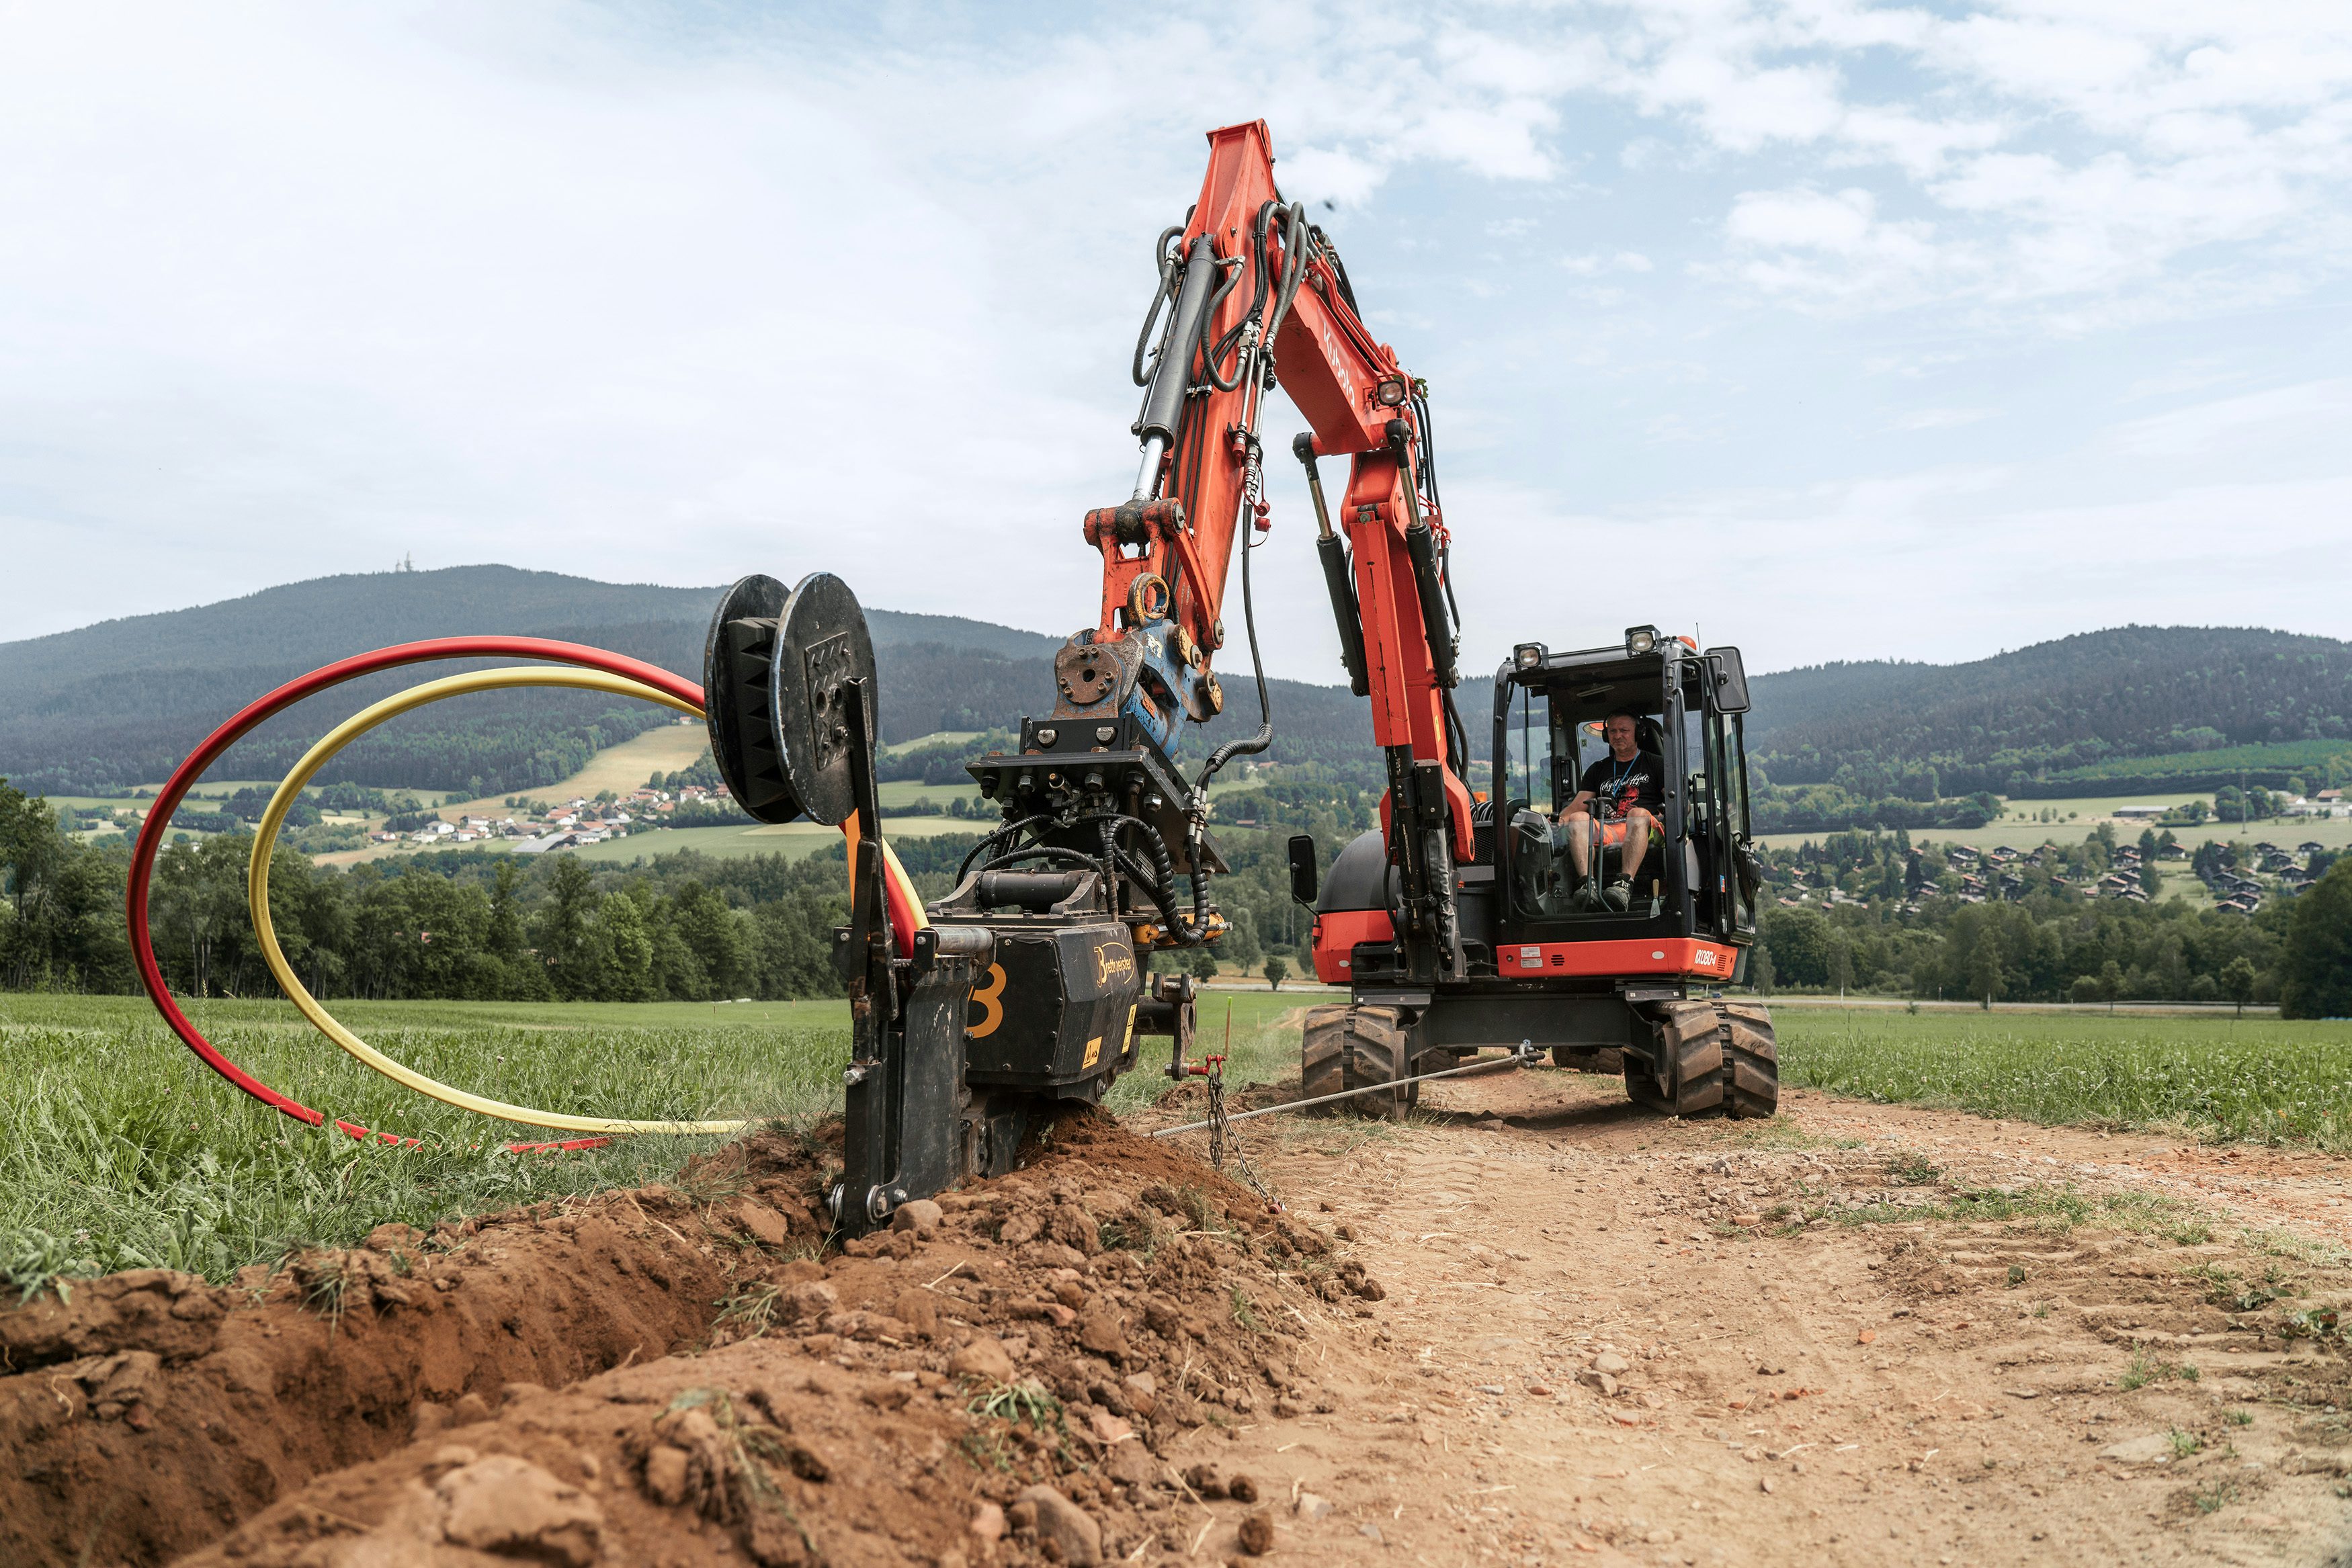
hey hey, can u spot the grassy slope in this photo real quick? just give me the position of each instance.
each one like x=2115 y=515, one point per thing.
x=619 y=769
x=792 y=839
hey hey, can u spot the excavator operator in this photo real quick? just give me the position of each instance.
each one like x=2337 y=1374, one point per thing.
x=1616 y=806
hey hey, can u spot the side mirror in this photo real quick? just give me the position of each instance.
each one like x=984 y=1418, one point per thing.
x=1304 y=876
x=1730 y=677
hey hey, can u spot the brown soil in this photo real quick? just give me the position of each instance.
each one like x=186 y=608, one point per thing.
x=150 y=1411
x=642 y=1378
x=1620 y=1340
x=1529 y=1326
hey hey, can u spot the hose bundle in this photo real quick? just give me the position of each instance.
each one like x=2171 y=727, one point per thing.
x=584 y=668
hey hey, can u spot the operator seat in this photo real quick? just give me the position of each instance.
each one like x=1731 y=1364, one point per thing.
x=1543 y=869
x=1648 y=877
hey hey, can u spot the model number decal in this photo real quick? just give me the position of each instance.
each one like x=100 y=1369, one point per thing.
x=990 y=999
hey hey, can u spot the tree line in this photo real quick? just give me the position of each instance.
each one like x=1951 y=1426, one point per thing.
x=1900 y=928
x=475 y=923
x=479 y=923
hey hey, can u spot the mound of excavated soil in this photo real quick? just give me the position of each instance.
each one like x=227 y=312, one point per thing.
x=643 y=1377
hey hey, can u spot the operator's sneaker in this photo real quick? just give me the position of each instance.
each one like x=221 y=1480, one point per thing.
x=1618 y=894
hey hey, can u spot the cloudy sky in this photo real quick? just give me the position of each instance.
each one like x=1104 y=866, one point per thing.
x=1836 y=330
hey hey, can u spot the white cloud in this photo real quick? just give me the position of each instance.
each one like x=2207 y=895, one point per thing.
x=674 y=294
x=1942 y=418
x=1820 y=248
x=2313 y=417
x=1866 y=568
x=1591 y=263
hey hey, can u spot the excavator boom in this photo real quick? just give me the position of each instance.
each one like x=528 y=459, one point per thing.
x=1251 y=296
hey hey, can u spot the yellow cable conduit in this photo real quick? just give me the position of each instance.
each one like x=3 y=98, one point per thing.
x=265 y=839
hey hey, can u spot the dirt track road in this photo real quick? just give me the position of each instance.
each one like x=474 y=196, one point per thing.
x=1607 y=1348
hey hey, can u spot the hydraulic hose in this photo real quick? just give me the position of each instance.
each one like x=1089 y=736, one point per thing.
x=1150 y=318
x=1172 y=374
x=1003 y=833
x=1420 y=549
x=1264 y=735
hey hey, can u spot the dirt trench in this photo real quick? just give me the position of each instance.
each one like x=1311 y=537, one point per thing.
x=640 y=1378
x=147 y=1412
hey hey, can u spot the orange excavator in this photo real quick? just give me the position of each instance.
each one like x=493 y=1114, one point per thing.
x=1530 y=920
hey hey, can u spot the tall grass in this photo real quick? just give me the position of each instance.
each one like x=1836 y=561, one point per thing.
x=119 y=1149
x=1260 y=1048
x=2220 y=1079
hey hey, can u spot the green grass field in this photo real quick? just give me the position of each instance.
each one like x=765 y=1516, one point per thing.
x=2218 y=1079
x=2072 y=821
x=119 y=1149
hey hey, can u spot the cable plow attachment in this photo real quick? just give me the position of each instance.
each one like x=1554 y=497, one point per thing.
x=580 y=667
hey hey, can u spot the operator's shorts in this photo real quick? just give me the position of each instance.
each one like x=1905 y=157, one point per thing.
x=1614 y=833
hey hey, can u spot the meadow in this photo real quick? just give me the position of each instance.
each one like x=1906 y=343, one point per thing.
x=118 y=1149
x=2028 y=822
x=2203 y=1075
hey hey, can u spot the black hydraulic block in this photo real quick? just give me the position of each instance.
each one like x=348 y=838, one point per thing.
x=1056 y=1013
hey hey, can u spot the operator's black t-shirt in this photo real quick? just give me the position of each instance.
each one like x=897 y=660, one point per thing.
x=1619 y=787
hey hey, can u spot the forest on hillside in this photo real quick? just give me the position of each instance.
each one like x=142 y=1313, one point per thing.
x=1920 y=732
x=101 y=709
x=477 y=924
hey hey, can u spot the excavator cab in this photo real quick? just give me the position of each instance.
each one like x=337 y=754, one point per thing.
x=1692 y=880
x=1622 y=857
x=1548 y=963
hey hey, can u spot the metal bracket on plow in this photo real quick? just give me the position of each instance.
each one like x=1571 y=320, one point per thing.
x=790 y=686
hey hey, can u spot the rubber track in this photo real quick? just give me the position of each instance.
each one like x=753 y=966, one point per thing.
x=1751 y=1059
x=1721 y=1061
x=1344 y=1047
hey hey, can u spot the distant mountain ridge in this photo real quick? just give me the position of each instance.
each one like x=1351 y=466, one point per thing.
x=118 y=704
x=2021 y=721
x=107 y=707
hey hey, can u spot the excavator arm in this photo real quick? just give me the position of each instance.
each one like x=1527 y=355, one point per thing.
x=1251 y=296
